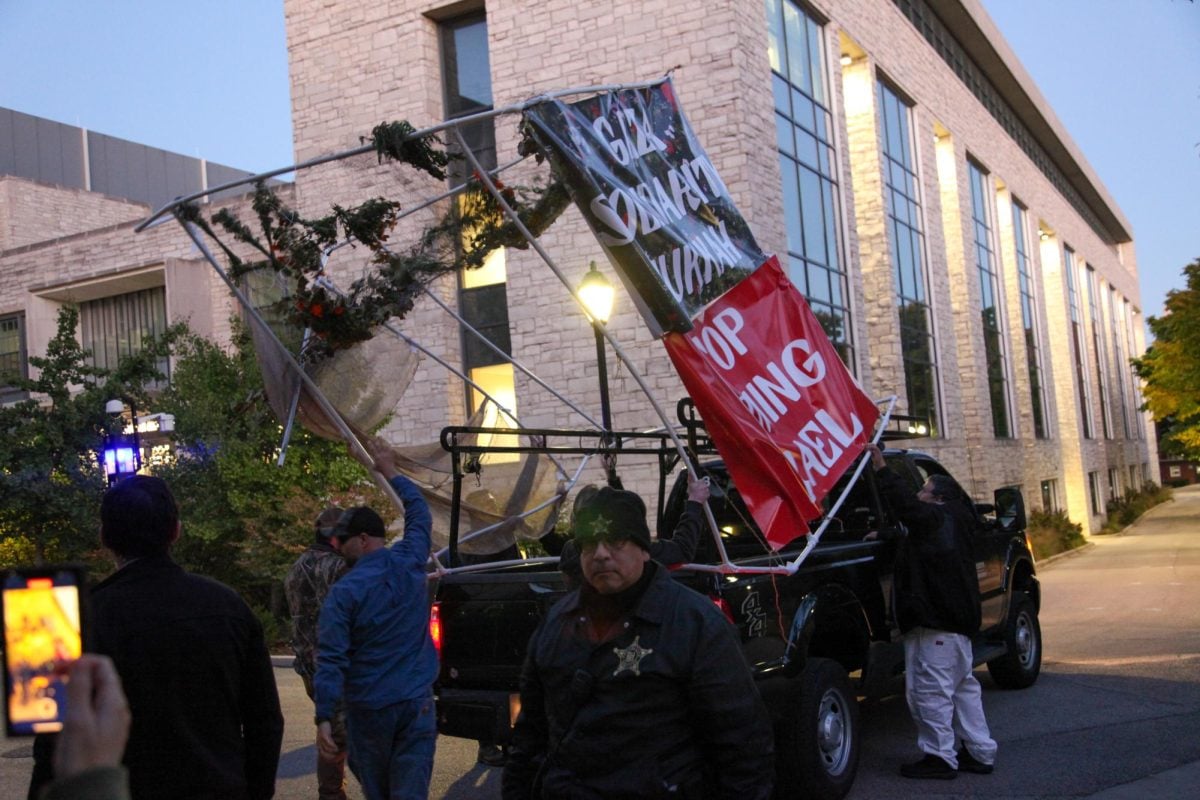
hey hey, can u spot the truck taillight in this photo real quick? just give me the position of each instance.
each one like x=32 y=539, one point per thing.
x=723 y=604
x=435 y=628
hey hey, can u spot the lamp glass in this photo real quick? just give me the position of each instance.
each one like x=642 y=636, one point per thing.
x=597 y=294
x=114 y=407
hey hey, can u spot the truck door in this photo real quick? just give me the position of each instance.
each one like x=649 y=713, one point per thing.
x=989 y=545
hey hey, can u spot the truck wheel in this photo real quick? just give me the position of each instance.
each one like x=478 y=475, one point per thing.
x=1020 y=666
x=817 y=742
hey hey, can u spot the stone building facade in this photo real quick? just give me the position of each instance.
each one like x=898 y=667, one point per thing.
x=978 y=266
x=893 y=153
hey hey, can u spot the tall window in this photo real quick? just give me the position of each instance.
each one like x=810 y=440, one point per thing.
x=483 y=292
x=13 y=363
x=1121 y=367
x=907 y=243
x=991 y=316
x=121 y=325
x=1093 y=290
x=1114 y=483
x=1050 y=495
x=1081 y=387
x=804 y=135
x=1029 y=316
x=467 y=82
x=1094 y=491
x=1134 y=411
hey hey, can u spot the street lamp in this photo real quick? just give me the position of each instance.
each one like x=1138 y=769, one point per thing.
x=122 y=452
x=596 y=294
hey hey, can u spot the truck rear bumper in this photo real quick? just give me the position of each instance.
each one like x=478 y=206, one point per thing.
x=481 y=714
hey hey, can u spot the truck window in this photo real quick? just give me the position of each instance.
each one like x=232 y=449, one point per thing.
x=739 y=534
x=858 y=514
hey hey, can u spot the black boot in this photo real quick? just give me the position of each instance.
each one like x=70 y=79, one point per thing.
x=491 y=755
x=930 y=766
x=969 y=763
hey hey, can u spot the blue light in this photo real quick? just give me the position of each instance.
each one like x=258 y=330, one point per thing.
x=119 y=461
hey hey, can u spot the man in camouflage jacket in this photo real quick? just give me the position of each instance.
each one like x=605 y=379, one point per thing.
x=306 y=585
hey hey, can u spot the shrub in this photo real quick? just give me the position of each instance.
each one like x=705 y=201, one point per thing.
x=1123 y=511
x=276 y=632
x=1052 y=532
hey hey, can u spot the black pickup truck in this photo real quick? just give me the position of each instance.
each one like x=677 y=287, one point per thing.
x=816 y=640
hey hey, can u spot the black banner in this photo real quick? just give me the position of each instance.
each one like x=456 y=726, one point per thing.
x=652 y=198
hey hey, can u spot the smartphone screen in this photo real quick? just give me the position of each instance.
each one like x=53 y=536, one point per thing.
x=42 y=635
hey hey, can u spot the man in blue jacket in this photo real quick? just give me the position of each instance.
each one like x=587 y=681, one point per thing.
x=374 y=649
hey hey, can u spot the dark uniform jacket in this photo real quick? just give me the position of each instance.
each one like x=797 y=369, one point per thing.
x=667 y=708
x=191 y=656
x=935 y=584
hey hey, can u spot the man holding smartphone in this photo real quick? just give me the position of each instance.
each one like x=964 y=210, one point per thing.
x=191 y=656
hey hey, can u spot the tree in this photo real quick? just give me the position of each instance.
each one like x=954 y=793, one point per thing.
x=50 y=476
x=245 y=517
x=1171 y=367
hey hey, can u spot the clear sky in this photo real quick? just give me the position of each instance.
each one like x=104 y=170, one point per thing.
x=1123 y=76
x=209 y=79
x=206 y=78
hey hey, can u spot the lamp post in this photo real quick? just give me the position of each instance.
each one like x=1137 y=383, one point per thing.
x=122 y=453
x=596 y=294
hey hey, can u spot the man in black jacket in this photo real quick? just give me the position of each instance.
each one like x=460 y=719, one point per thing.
x=191 y=656
x=634 y=686
x=936 y=602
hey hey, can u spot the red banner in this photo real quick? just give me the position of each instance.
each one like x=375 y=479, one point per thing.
x=780 y=405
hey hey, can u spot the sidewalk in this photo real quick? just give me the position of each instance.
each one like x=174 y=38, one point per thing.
x=1179 y=782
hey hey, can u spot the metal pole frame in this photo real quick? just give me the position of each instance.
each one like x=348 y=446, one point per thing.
x=726 y=566
x=332 y=413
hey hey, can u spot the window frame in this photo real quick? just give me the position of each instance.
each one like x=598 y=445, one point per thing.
x=822 y=277
x=476 y=357
x=1083 y=391
x=112 y=314
x=8 y=393
x=914 y=226
x=988 y=265
x=1099 y=351
x=1030 y=321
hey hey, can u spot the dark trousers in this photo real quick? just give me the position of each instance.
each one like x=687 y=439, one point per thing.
x=331 y=775
x=391 y=748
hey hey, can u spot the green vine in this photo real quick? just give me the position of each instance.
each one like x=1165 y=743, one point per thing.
x=293 y=246
x=393 y=141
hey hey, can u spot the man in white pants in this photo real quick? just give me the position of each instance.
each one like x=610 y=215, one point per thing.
x=936 y=602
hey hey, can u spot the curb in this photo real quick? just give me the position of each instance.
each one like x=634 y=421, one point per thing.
x=282 y=662
x=1091 y=542
x=1074 y=551
x=1141 y=516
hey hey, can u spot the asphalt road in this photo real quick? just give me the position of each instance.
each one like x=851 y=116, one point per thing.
x=1115 y=714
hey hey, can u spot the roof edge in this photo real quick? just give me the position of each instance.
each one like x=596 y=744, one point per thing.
x=983 y=41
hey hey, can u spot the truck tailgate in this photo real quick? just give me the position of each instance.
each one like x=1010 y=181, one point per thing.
x=487 y=619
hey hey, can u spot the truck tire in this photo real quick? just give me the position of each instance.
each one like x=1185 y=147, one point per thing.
x=817 y=742
x=1019 y=667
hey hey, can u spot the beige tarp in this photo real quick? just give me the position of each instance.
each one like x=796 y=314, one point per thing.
x=366 y=384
